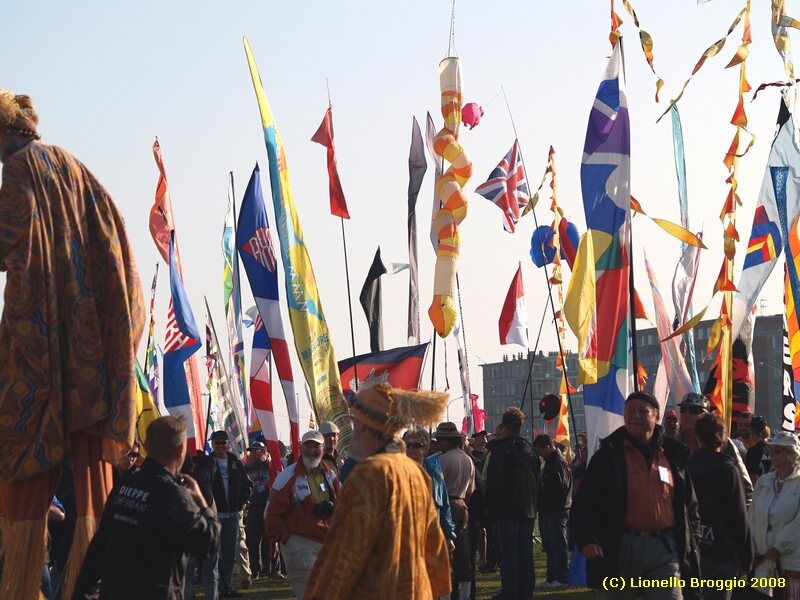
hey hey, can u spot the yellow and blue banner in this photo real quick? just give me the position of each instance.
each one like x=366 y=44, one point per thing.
x=311 y=337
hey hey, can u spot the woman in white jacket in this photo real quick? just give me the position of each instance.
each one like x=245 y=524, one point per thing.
x=774 y=519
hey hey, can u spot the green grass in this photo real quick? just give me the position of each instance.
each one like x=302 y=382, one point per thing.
x=488 y=585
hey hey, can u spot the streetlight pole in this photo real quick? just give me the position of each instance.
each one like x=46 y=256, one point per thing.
x=447 y=410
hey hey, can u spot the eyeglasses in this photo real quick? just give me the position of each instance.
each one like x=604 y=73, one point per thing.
x=415 y=445
x=220 y=442
x=692 y=411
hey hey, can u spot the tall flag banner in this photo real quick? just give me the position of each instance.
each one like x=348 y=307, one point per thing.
x=513 y=322
x=677 y=374
x=181 y=342
x=463 y=368
x=254 y=240
x=598 y=306
x=790 y=290
x=150 y=360
x=162 y=228
x=311 y=337
x=146 y=410
x=417 y=165
x=232 y=296
x=742 y=373
x=791 y=416
x=507 y=187
x=324 y=136
x=370 y=299
x=399 y=367
x=225 y=411
x=261 y=393
x=773 y=217
x=449 y=188
x=438 y=163
x=684 y=309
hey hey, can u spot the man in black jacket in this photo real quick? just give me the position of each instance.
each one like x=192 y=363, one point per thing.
x=512 y=490
x=224 y=473
x=554 y=504
x=635 y=512
x=151 y=522
x=725 y=549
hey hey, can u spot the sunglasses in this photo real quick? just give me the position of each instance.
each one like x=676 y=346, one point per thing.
x=415 y=445
x=692 y=411
x=134 y=454
x=775 y=450
x=221 y=442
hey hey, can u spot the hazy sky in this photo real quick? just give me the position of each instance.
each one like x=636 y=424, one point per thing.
x=108 y=77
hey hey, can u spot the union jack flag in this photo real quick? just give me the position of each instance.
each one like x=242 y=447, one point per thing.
x=507 y=188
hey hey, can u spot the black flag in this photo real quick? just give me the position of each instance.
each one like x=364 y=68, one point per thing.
x=370 y=298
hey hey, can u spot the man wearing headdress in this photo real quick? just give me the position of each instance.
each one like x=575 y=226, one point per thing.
x=72 y=320
x=385 y=540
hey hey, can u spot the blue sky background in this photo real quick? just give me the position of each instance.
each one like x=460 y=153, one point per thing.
x=107 y=77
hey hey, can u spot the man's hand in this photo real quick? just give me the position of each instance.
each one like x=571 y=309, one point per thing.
x=772 y=554
x=592 y=551
x=451 y=546
x=194 y=491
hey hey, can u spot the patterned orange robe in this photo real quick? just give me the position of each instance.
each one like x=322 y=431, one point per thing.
x=385 y=540
x=73 y=313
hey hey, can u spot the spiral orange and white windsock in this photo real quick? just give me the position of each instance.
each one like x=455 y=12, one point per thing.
x=450 y=190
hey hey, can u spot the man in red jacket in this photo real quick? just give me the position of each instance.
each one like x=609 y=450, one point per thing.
x=299 y=511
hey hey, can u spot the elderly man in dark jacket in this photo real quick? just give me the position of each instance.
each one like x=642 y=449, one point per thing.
x=554 y=504
x=635 y=513
x=512 y=491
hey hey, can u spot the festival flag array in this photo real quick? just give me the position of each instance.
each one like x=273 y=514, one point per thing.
x=162 y=228
x=507 y=187
x=677 y=374
x=399 y=367
x=261 y=392
x=254 y=240
x=777 y=208
x=232 y=296
x=182 y=341
x=514 y=316
x=598 y=307
x=416 y=172
x=151 y=357
x=324 y=136
x=224 y=412
x=311 y=336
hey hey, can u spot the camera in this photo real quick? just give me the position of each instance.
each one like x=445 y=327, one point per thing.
x=323 y=509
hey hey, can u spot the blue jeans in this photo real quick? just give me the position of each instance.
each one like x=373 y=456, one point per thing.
x=517 y=576
x=228 y=543
x=553 y=527
x=209 y=573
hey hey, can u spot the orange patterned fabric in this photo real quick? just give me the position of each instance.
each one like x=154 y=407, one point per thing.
x=73 y=313
x=385 y=539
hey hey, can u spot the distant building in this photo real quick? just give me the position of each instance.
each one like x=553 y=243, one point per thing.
x=506 y=383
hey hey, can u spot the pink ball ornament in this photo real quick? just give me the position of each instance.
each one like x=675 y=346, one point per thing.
x=471 y=114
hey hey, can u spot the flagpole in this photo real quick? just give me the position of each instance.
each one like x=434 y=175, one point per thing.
x=238 y=298
x=631 y=289
x=346 y=264
x=544 y=269
x=468 y=401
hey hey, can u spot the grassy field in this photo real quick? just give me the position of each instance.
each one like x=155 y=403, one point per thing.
x=488 y=585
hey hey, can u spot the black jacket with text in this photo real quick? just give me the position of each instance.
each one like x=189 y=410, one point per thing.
x=149 y=527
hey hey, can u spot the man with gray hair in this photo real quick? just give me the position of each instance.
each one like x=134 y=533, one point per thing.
x=151 y=523
x=300 y=508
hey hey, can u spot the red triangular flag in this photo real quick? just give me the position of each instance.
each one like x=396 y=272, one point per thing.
x=514 y=318
x=324 y=136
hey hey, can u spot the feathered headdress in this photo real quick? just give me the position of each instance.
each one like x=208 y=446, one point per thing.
x=17 y=114
x=388 y=410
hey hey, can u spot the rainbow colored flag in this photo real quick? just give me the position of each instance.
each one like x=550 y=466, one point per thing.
x=598 y=307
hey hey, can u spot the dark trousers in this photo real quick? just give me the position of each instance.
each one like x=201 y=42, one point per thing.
x=257 y=543
x=517 y=576
x=553 y=527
